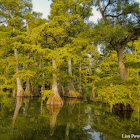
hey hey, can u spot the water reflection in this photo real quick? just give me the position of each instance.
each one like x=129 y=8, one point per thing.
x=27 y=105
x=54 y=111
x=75 y=120
x=19 y=102
x=70 y=106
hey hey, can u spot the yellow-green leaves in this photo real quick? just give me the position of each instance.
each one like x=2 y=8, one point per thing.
x=46 y=94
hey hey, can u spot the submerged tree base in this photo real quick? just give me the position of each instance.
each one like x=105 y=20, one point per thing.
x=123 y=107
x=19 y=93
x=55 y=100
x=28 y=93
x=54 y=110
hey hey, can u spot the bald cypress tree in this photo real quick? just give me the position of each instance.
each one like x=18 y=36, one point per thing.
x=18 y=20
x=12 y=17
x=119 y=25
x=71 y=16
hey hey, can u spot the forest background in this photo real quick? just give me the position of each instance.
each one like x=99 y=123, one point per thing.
x=68 y=55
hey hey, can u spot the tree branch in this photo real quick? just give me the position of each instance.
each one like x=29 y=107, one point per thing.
x=2 y=21
x=131 y=34
x=123 y=13
x=113 y=15
x=101 y=10
x=53 y=38
x=109 y=2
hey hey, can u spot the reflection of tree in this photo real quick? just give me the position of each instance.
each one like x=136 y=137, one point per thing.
x=19 y=102
x=27 y=105
x=70 y=104
x=72 y=119
x=54 y=111
x=41 y=106
x=67 y=131
x=112 y=126
x=72 y=101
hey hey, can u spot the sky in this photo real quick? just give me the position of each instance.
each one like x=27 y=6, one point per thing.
x=43 y=6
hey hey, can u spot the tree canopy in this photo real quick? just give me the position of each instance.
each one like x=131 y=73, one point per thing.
x=67 y=55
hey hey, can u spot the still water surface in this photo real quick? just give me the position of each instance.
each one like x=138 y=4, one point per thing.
x=31 y=119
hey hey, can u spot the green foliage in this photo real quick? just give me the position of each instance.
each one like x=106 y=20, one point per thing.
x=92 y=48
x=119 y=92
x=46 y=94
x=87 y=90
x=29 y=43
x=6 y=99
x=115 y=94
x=24 y=74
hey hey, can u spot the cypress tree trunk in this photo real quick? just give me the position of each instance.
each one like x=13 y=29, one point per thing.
x=40 y=66
x=28 y=83
x=63 y=91
x=111 y=107
x=43 y=86
x=55 y=99
x=20 y=91
x=71 y=90
x=122 y=68
x=54 y=83
x=80 y=78
x=28 y=87
x=70 y=82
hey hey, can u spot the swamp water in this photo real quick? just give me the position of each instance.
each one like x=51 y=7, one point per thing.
x=31 y=119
